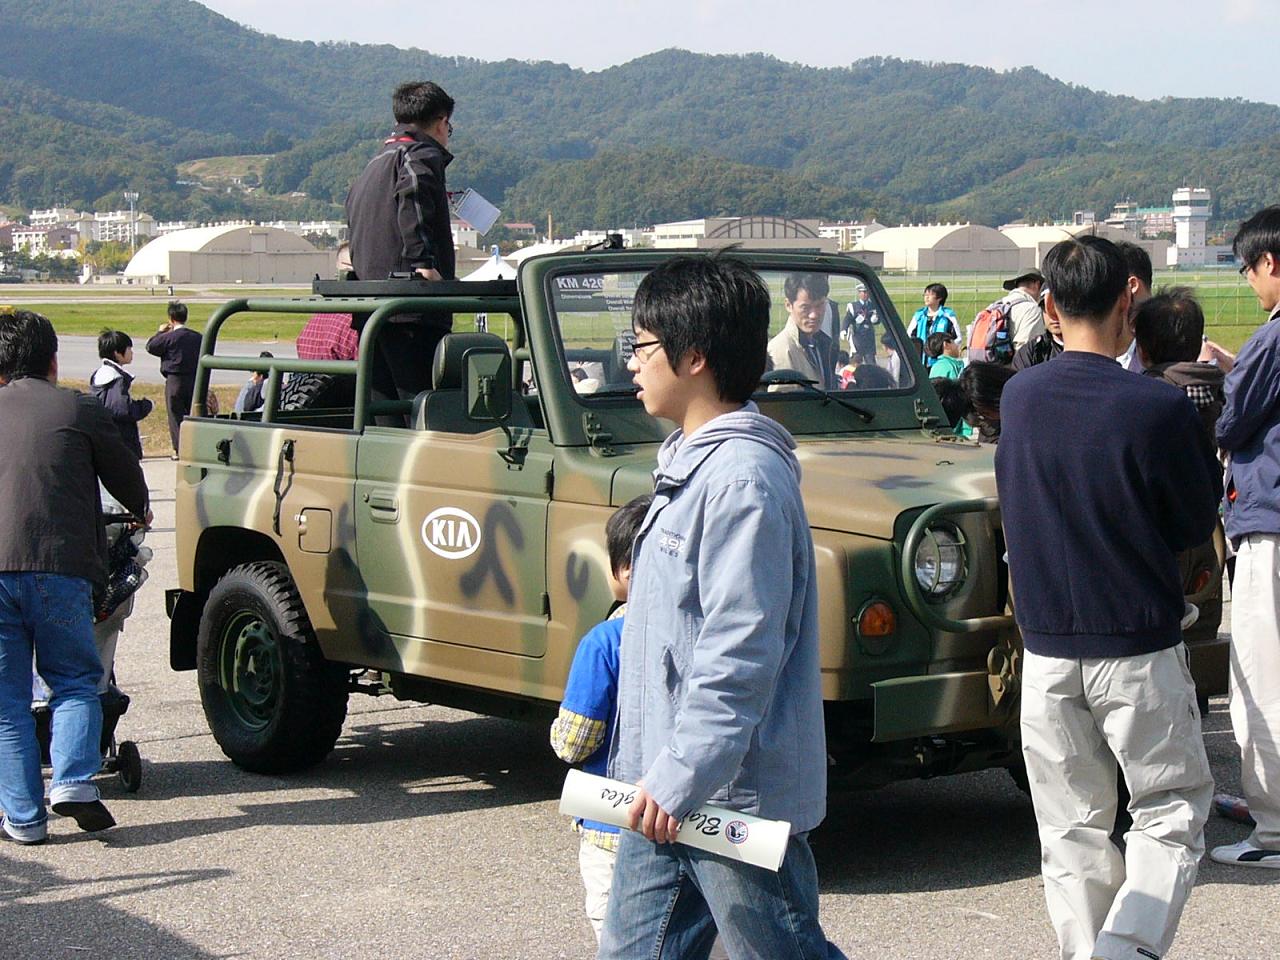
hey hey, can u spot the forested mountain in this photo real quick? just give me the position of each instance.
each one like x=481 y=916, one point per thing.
x=98 y=96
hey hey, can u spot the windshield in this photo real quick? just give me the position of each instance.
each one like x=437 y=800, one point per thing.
x=827 y=330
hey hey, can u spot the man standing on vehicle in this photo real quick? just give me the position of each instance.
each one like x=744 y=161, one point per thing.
x=719 y=691
x=399 y=224
x=57 y=446
x=1094 y=511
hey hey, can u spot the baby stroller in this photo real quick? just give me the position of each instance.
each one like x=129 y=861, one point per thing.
x=126 y=559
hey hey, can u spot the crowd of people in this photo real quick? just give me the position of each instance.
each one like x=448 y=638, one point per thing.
x=1113 y=415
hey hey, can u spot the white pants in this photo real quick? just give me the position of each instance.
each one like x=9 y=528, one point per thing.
x=597 y=877
x=1255 y=680
x=1079 y=717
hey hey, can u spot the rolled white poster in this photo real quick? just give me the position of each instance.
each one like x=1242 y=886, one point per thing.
x=726 y=833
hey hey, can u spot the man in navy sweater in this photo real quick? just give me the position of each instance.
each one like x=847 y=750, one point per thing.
x=1094 y=511
x=1249 y=430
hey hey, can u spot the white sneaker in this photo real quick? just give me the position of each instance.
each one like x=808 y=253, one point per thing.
x=1245 y=854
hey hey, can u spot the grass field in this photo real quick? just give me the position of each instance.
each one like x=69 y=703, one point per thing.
x=224 y=168
x=1231 y=310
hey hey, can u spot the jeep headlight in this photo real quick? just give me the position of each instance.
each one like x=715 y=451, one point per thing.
x=940 y=562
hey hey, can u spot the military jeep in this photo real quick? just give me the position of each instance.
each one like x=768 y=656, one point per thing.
x=447 y=546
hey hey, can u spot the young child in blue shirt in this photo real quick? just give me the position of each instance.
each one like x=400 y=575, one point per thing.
x=581 y=731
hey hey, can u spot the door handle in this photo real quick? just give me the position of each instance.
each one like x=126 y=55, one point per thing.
x=385 y=507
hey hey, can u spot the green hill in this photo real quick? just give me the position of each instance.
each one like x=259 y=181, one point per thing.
x=98 y=96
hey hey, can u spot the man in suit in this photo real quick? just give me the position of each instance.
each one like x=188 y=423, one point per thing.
x=802 y=345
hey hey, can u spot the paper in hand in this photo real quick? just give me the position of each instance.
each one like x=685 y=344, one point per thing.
x=476 y=210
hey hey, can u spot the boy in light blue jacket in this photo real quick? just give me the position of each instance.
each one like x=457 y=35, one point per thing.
x=719 y=696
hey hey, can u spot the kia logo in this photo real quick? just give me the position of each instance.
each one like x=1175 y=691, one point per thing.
x=451 y=533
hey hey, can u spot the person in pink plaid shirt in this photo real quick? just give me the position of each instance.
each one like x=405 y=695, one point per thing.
x=328 y=336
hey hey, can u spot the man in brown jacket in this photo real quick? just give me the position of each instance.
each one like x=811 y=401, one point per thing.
x=57 y=446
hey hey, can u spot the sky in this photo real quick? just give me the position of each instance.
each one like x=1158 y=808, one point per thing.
x=1142 y=48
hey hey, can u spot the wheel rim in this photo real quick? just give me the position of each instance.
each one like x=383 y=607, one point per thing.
x=249 y=669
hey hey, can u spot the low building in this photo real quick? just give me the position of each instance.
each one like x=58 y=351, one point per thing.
x=230 y=254
x=848 y=234
x=1035 y=240
x=941 y=248
x=751 y=233
x=45 y=239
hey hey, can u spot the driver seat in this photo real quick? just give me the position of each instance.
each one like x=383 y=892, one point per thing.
x=441 y=408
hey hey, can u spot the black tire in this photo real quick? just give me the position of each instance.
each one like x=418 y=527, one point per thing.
x=315 y=391
x=129 y=766
x=273 y=703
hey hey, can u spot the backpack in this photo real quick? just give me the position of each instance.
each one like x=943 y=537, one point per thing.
x=990 y=339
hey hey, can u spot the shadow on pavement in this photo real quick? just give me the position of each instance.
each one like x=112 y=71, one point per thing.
x=392 y=771
x=47 y=916
x=950 y=833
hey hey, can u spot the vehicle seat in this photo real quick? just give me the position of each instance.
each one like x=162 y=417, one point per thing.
x=441 y=408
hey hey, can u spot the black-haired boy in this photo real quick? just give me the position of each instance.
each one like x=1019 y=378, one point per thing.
x=719 y=693
x=1249 y=430
x=1094 y=510
x=943 y=350
x=581 y=731
x=1169 y=332
x=110 y=383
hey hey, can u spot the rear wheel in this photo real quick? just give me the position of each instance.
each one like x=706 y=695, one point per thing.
x=129 y=766
x=273 y=703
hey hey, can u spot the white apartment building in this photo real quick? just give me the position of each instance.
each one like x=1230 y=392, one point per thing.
x=848 y=234
x=120 y=226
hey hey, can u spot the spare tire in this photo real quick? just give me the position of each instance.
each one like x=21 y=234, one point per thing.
x=313 y=391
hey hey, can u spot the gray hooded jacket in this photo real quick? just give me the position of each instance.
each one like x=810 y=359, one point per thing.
x=719 y=695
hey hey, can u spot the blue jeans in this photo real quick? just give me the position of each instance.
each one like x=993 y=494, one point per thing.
x=52 y=616
x=668 y=901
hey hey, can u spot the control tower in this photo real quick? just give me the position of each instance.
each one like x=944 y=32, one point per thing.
x=1190 y=215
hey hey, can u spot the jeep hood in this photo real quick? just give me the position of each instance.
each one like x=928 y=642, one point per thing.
x=862 y=484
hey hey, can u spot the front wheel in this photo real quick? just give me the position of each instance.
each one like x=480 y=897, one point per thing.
x=273 y=703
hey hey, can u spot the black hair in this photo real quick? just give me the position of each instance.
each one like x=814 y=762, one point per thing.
x=1086 y=276
x=620 y=531
x=983 y=383
x=939 y=291
x=28 y=345
x=177 y=311
x=917 y=345
x=112 y=343
x=868 y=376
x=1137 y=260
x=955 y=403
x=262 y=355
x=716 y=305
x=816 y=284
x=1258 y=235
x=1170 y=326
x=937 y=341
x=420 y=102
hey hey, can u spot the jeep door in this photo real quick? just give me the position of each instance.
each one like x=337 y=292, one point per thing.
x=451 y=543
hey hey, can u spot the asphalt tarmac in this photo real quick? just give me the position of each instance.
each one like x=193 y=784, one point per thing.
x=433 y=833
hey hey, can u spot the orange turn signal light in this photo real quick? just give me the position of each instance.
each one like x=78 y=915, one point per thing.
x=877 y=619
x=1201 y=581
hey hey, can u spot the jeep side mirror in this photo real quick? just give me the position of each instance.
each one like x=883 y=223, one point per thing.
x=486 y=384
x=486 y=395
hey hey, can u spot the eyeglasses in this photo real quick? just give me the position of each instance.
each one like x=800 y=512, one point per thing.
x=1245 y=268
x=448 y=125
x=644 y=345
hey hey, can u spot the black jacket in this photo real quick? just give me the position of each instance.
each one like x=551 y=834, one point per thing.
x=1103 y=476
x=110 y=383
x=57 y=445
x=398 y=209
x=1036 y=351
x=178 y=350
